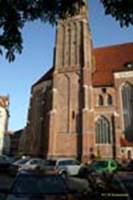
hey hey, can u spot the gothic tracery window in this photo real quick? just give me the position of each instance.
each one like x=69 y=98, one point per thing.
x=103 y=131
x=127 y=102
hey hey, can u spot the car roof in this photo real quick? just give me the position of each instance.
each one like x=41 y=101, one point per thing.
x=105 y=160
x=36 y=159
x=38 y=172
x=63 y=159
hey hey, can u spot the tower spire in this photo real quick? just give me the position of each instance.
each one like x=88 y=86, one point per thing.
x=83 y=4
x=81 y=7
x=73 y=40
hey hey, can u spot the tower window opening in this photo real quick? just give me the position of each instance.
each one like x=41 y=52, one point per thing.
x=100 y=100
x=73 y=114
x=109 y=100
x=104 y=90
x=129 y=65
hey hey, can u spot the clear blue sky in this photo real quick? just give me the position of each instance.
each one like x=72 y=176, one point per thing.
x=37 y=57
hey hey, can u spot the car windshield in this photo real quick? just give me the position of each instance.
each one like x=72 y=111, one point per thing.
x=67 y=162
x=22 y=161
x=34 y=161
x=37 y=184
x=100 y=164
x=50 y=162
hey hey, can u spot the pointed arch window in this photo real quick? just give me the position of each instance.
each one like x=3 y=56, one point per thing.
x=103 y=131
x=127 y=102
x=100 y=100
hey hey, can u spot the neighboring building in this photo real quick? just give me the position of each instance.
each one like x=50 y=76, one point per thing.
x=6 y=149
x=14 y=142
x=4 y=116
x=84 y=103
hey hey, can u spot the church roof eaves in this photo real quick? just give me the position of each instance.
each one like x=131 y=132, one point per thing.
x=47 y=76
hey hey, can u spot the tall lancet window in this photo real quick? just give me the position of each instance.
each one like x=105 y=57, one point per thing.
x=127 y=101
x=100 y=100
x=109 y=100
x=103 y=131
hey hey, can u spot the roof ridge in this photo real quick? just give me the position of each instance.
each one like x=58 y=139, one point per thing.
x=45 y=76
x=113 y=45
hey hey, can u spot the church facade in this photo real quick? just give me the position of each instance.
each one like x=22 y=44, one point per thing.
x=84 y=103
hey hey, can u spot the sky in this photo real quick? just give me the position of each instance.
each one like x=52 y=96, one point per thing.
x=37 y=57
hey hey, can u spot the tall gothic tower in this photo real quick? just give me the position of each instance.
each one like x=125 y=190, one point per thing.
x=68 y=127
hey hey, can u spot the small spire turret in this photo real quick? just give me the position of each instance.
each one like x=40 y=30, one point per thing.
x=83 y=6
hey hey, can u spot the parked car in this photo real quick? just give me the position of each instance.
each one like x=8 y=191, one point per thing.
x=107 y=186
x=127 y=179
x=33 y=185
x=20 y=162
x=33 y=163
x=129 y=166
x=109 y=165
x=50 y=165
x=6 y=165
x=7 y=158
x=66 y=166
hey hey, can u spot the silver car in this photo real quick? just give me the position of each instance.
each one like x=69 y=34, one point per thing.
x=68 y=166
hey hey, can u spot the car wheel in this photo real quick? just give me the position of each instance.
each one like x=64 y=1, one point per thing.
x=64 y=173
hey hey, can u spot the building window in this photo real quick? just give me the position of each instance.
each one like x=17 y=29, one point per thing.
x=100 y=100
x=127 y=102
x=73 y=114
x=129 y=65
x=103 y=133
x=109 y=99
x=104 y=90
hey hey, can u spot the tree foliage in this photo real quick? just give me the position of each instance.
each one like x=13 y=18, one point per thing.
x=15 y=13
x=121 y=10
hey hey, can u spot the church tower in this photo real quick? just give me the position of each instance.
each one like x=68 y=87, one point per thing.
x=73 y=68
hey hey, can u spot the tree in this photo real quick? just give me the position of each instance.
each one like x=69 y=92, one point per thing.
x=15 y=13
x=121 y=10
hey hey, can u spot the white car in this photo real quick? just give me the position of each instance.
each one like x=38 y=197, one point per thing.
x=20 y=162
x=32 y=164
x=68 y=166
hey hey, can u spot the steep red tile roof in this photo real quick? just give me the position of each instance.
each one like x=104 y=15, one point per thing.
x=110 y=59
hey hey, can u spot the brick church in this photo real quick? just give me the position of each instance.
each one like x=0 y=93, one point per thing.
x=84 y=103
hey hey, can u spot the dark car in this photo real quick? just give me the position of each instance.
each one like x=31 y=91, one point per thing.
x=107 y=186
x=129 y=166
x=29 y=185
x=127 y=180
x=6 y=165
